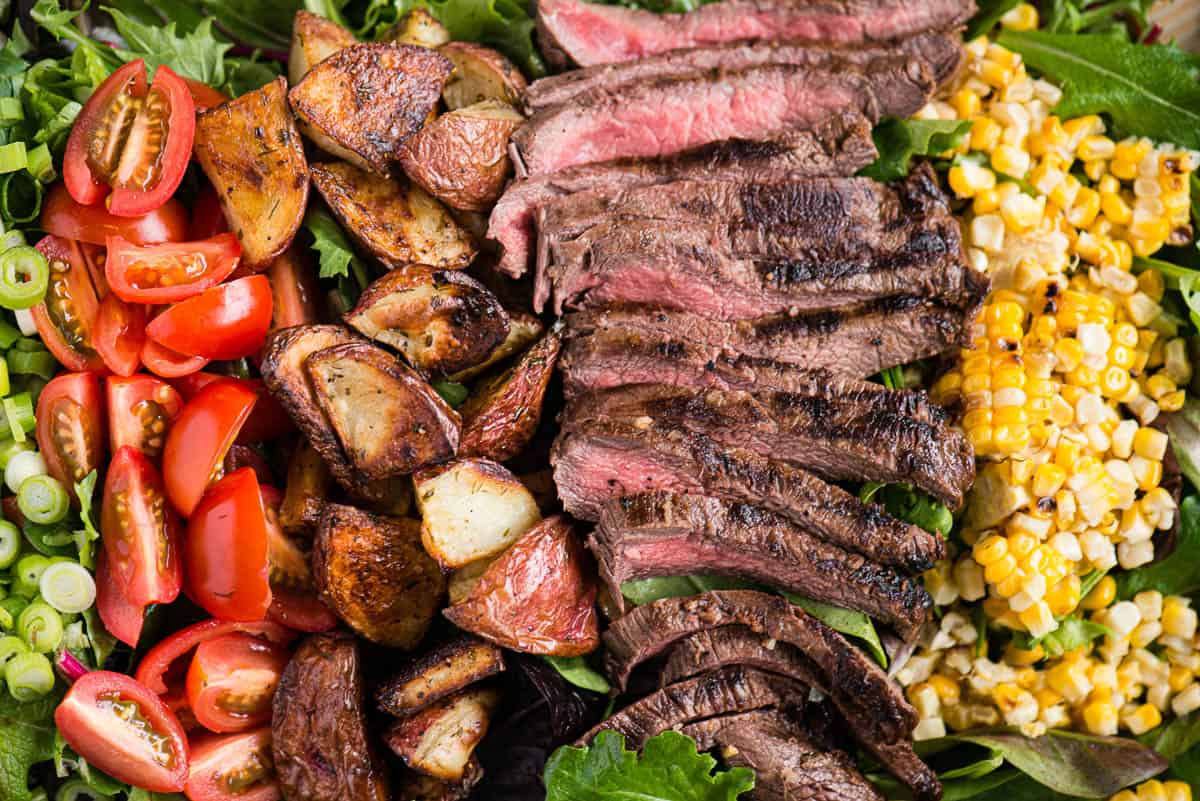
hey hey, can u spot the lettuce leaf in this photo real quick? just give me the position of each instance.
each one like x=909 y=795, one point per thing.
x=899 y=141
x=27 y=738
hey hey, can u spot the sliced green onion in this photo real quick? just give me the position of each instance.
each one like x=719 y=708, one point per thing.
x=24 y=277
x=13 y=157
x=20 y=197
x=40 y=626
x=29 y=345
x=10 y=544
x=10 y=449
x=39 y=794
x=21 y=466
x=11 y=110
x=78 y=790
x=75 y=637
x=8 y=334
x=6 y=620
x=39 y=362
x=12 y=239
x=5 y=383
x=18 y=409
x=43 y=499
x=25 y=322
x=40 y=163
x=29 y=571
x=68 y=587
x=29 y=676
x=14 y=605
x=10 y=647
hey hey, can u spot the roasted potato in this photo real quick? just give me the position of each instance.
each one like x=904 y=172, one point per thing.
x=540 y=484
x=414 y=786
x=441 y=321
x=251 y=152
x=470 y=510
x=389 y=421
x=393 y=219
x=361 y=103
x=372 y=572
x=480 y=73
x=307 y=483
x=463 y=580
x=314 y=39
x=447 y=669
x=440 y=739
x=523 y=331
x=418 y=27
x=538 y=597
x=461 y=158
x=502 y=414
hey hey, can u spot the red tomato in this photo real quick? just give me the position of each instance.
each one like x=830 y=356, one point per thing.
x=140 y=409
x=140 y=534
x=62 y=216
x=123 y=729
x=300 y=611
x=231 y=682
x=66 y=319
x=70 y=426
x=199 y=439
x=268 y=420
x=121 y=619
x=120 y=334
x=294 y=290
x=163 y=665
x=208 y=218
x=226 y=322
x=171 y=272
x=133 y=139
x=166 y=363
x=240 y=456
x=233 y=767
x=294 y=601
x=227 y=567
x=204 y=95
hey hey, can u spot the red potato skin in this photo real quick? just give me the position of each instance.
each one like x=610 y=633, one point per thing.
x=538 y=597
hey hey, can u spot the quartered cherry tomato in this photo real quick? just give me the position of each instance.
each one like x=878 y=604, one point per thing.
x=139 y=531
x=204 y=95
x=228 y=572
x=231 y=681
x=120 y=334
x=140 y=410
x=66 y=319
x=233 y=767
x=295 y=294
x=121 y=619
x=166 y=363
x=64 y=217
x=133 y=140
x=172 y=272
x=199 y=439
x=226 y=322
x=70 y=426
x=268 y=421
x=125 y=730
x=163 y=667
x=294 y=601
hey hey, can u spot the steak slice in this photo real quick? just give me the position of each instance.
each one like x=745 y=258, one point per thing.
x=940 y=51
x=574 y=31
x=664 y=534
x=663 y=118
x=599 y=460
x=840 y=146
x=857 y=439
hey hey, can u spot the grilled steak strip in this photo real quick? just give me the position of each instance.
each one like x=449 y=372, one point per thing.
x=850 y=439
x=940 y=51
x=598 y=460
x=663 y=118
x=840 y=146
x=574 y=31
x=665 y=534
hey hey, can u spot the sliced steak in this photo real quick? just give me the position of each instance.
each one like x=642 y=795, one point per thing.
x=574 y=31
x=599 y=460
x=858 y=439
x=840 y=146
x=664 y=118
x=664 y=534
x=940 y=51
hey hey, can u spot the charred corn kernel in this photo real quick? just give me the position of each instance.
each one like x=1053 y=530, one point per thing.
x=1010 y=160
x=1150 y=443
x=1102 y=595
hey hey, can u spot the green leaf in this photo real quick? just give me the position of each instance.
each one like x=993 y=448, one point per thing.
x=1147 y=90
x=27 y=738
x=905 y=502
x=1174 y=739
x=669 y=769
x=1179 y=573
x=892 y=377
x=452 y=392
x=1072 y=632
x=1186 y=767
x=336 y=256
x=253 y=22
x=576 y=670
x=197 y=54
x=85 y=490
x=988 y=17
x=1183 y=428
x=848 y=621
x=646 y=591
x=899 y=141
x=103 y=643
x=503 y=24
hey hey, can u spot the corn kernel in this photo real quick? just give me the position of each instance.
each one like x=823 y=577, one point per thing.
x=1102 y=595
x=1009 y=160
x=990 y=550
x=1178 y=791
x=1038 y=620
x=1100 y=717
x=1150 y=443
x=1023 y=17
x=985 y=134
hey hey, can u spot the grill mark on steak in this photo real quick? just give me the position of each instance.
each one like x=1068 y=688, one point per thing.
x=665 y=534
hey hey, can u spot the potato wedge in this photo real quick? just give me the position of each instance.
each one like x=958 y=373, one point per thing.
x=523 y=331
x=372 y=572
x=463 y=580
x=393 y=219
x=538 y=597
x=389 y=421
x=480 y=73
x=308 y=481
x=501 y=415
x=470 y=510
x=440 y=739
x=251 y=152
x=414 y=786
x=314 y=39
x=441 y=321
x=461 y=158
x=419 y=27
x=443 y=671
x=361 y=103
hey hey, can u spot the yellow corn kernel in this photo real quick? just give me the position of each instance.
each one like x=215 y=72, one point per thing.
x=968 y=179
x=1000 y=569
x=1024 y=17
x=947 y=689
x=1095 y=169
x=1101 y=596
x=1018 y=657
x=1179 y=677
x=1158 y=385
x=1096 y=147
x=994 y=74
x=966 y=103
x=1063 y=597
x=1150 y=443
x=1124 y=795
x=1100 y=717
x=1153 y=229
x=986 y=201
x=1087 y=206
x=1178 y=791
x=1125 y=170
x=1010 y=585
x=1172 y=401
x=1021 y=544
x=1132 y=150
x=985 y=134
x=990 y=549
x=1152 y=790
x=1038 y=620
x=1048 y=479
x=1069 y=353
x=1115 y=381
x=1010 y=160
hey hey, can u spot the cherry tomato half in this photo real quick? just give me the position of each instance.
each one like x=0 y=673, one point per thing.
x=294 y=289
x=228 y=572
x=164 y=665
x=232 y=680
x=64 y=217
x=233 y=767
x=70 y=426
x=66 y=319
x=122 y=728
x=294 y=601
x=132 y=139
x=140 y=533
x=166 y=363
x=121 y=619
x=140 y=410
x=199 y=439
x=120 y=334
x=268 y=421
x=204 y=95
x=172 y=272
x=226 y=322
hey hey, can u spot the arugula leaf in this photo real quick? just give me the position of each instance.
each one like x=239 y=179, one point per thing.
x=1107 y=17
x=27 y=734
x=899 y=141
x=336 y=256
x=669 y=769
x=255 y=23
x=1179 y=573
x=905 y=502
x=576 y=670
x=85 y=490
x=644 y=591
x=1183 y=429
x=103 y=643
x=1175 y=738
x=847 y=621
x=892 y=377
x=1149 y=90
x=452 y=392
